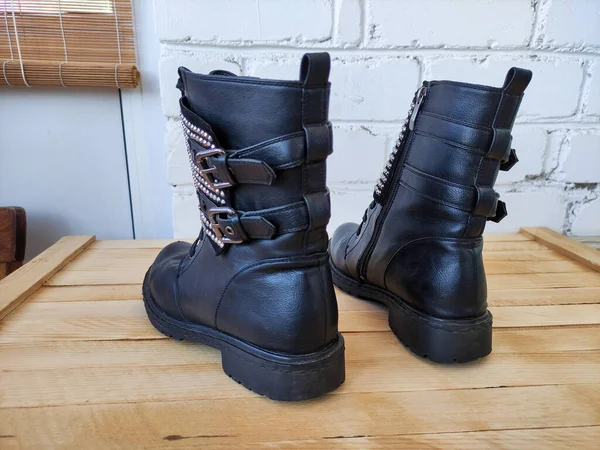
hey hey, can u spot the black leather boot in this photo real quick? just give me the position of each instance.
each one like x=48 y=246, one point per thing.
x=256 y=284
x=418 y=248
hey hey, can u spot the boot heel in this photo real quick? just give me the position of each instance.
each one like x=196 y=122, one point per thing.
x=287 y=377
x=442 y=340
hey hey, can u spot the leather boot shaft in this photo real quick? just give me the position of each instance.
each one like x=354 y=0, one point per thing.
x=420 y=240
x=257 y=280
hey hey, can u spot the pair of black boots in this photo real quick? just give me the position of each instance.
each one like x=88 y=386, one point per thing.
x=258 y=282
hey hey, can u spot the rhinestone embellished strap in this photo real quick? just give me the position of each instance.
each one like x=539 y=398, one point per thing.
x=215 y=171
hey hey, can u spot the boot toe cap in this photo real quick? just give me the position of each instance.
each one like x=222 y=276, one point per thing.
x=162 y=277
x=339 y=243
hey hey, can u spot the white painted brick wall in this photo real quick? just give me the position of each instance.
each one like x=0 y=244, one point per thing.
x=381 y=51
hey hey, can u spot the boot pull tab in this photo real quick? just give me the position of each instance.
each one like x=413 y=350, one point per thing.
x=517 y=80
x=314 y=70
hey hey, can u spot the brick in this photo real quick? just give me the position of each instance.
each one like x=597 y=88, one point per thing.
x=244 y=20
x=197 y=62
x=179 y=172
x=371 y=88
x=544 y=207
x=348 y=205
x=530 y=145
x=573 y=23
x=358 y=156
x=583 y=161
x=274 y=66
x=465 y=23
x=587 y=222
x=186 y=217
x=349 y=25
x=593 y=104
x=543 y=98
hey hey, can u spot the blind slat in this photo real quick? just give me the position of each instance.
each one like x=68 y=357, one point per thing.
x=67 y=42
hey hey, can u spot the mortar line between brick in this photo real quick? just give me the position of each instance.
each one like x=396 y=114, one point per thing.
x=233 y=47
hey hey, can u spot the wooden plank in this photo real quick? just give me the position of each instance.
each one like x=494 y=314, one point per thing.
x=565 y=246
x=39 y=356
x=544 y=296
x=117 y=266
x=157 y=424
x=122 y=319
x=496 y=246
x=523 y=255
x=495 y=237
x=543 y=280
x=89 y=293
x=15 y=288
x=137 y=243
x=544 y=316
x=507 y=297
x=206 y=380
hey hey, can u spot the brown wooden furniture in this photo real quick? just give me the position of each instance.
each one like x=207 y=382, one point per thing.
x=81 y=366
x=12 y=239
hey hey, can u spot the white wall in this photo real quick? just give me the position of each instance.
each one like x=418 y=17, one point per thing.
x=382 y=50
x=62 y=158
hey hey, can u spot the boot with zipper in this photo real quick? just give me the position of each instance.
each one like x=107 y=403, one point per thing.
x=419 y=247
x=256 y=284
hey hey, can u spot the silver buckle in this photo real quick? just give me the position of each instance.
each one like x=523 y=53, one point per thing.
x=208 y=172
x=216 y=228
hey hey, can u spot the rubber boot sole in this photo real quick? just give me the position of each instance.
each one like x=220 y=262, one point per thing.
x=278 y=376
x=440 y=340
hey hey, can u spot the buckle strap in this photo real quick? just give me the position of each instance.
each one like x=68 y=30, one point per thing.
x=448 y=130
x=242 y=171
x=224 y=225
x=480 y=201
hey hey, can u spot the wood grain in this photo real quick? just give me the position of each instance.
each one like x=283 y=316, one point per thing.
x=16 y=287
x=565 y=246
x=122 y=319
x=81 y=367
x=118 y=266
x=255 y=419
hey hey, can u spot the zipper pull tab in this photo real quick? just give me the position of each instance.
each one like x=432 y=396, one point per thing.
x=421 y=93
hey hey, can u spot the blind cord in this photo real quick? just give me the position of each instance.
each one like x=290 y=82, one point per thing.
x=118 y=44
x=62 y=30
x=18 y=44
x=12 y=56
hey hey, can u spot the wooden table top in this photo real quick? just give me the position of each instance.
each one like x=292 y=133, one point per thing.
x=81 y=367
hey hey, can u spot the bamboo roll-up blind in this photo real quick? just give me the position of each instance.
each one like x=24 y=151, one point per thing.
x=67 y=43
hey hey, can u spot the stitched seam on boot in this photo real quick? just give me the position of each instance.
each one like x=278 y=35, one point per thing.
x=474 y=241
x=245 y=269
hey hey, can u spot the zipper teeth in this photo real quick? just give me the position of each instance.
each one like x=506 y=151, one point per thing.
x=383 y=180
x=384 y=177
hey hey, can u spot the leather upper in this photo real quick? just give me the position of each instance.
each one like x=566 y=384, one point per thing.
x=421 y=239
x=272 y=287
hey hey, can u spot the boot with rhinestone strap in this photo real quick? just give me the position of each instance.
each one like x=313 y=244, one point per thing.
x=256 y=284
x=419 y=247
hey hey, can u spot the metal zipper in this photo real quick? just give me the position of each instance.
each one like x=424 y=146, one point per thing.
x=382 y=189
x=408 y=122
